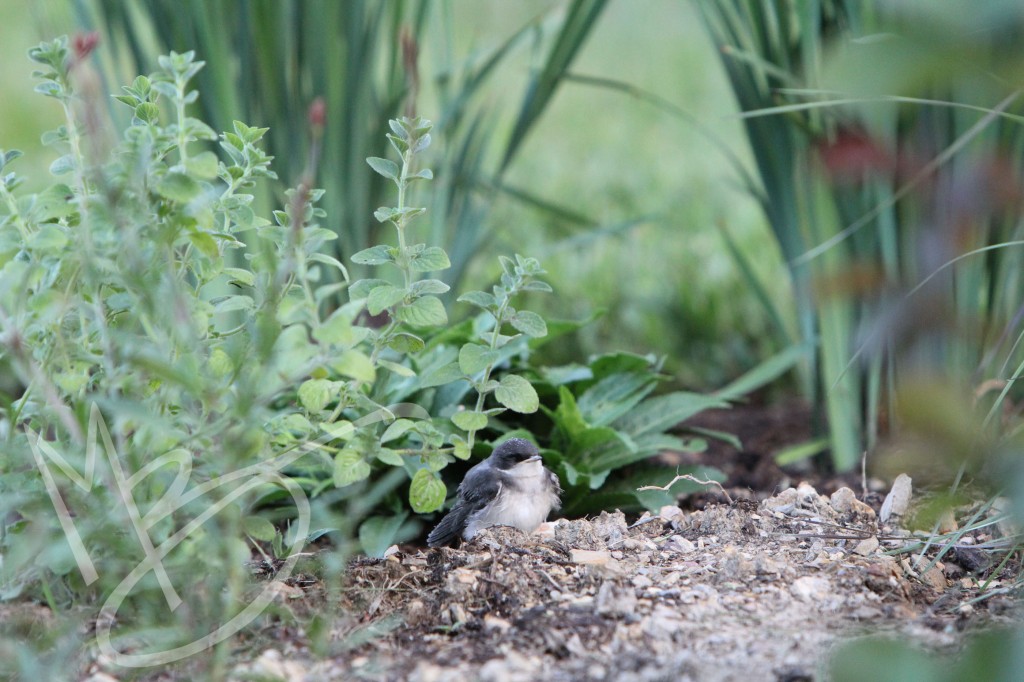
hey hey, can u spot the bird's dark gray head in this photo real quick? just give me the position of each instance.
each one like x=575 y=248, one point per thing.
x=514 y=451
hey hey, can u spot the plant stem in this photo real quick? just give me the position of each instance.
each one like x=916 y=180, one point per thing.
x=480 y=394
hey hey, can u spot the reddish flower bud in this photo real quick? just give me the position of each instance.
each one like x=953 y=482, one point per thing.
x=84 y=43
x=318 y=113
x=852 y=154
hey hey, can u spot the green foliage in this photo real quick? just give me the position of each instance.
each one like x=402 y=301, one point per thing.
x=877 y=149
x=606 y=420
x=153 y=316
x=995 y=655
x=369 y=61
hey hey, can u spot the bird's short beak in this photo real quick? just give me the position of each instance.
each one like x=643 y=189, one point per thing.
x=535 y=458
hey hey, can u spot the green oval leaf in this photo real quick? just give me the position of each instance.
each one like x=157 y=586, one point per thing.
x=383 y=297
x=530 y=323
x=315 y=394
x=426 y=492
x=64 y=164
x=470 y=420
x=427 y=311
x=460 y=448
x=430 y=259
x=375 y=255
x=406 y=343
x=389 y=457
x=241 y=276
x=474 y=358
x=259 y=528
x=445 y=374
x=349 y=467
x=429 y=286
x=378 y=533
x=517 y=394
x=480 y=299
x=397 y=429
x=386 y=167
x=177 y=187
x=355 y=364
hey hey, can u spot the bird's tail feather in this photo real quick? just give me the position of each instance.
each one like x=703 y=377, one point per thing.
x=450 y=528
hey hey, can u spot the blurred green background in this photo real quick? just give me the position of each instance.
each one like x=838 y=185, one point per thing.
x=652 y=263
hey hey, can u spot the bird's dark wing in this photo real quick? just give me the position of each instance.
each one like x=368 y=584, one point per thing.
x=478 y=488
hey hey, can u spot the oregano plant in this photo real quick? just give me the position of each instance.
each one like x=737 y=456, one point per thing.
x=413 y=306
x=144 y=283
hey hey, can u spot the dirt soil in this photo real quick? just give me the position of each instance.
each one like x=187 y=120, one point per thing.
x=760 y=583
x=732 y=592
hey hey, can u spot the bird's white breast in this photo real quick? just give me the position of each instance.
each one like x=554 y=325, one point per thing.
x=524 y=501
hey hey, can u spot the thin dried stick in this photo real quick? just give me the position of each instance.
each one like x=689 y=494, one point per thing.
x=687 y=477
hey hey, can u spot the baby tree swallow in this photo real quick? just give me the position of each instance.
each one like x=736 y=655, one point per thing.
x=509 y=488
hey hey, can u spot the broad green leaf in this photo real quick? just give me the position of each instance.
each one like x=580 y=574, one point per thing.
x=441 y=376
x=461 y=448
x=375 y=255
x=635 y=450
x=530 y=323
x=406 y=343
x=427 y=311
x=314 y=394
x=259 y=528
x=591 y=444
x=355 y=364
x=801 y=451
x=385 y=213
x=397 y=429
x=383 y=297
x=361 y=288
x=241 y=275
x=338 y=330
x=765 y=372
x=537 y=285
x=54 y=202
x=426 y=492
x=386 y=167
x=430 y=259
x=517 y=394
x=389 y=457
x=377 y=533
x=349 y=467
x=330 y=260
x=205 y=243
x=567 y=415
x=615 y=395
x=436 y=461
x=474 y=358
x=49 y=238
x=220 y=363
x=665 y=411
x=64 y=164
x=480 y=299
x=147 y=112
x=342 y=430
x=203 y=165
x=177 y=187
x=470 y=420
x=400 y=370
x=429 y=286
x=231 y=303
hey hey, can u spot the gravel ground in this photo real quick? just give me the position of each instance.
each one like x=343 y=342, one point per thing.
x=744 y=591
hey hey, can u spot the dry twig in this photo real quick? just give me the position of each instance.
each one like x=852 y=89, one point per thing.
x=687 y=477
